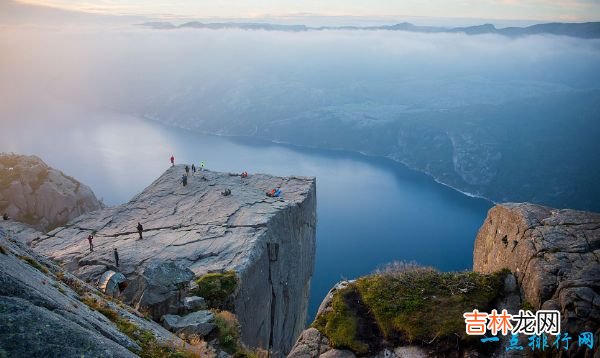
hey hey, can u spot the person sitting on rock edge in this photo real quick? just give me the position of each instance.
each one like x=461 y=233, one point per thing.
x=116 y=253
x=140 y=229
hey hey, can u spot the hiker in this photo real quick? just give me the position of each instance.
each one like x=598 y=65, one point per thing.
x=140 y=229
x=5 y=217
x=193 y=169
x=226 y=192
x=116 y=253
x=172 y=160
x=184 y=179
x=187 y=170
x=244 y=175
x=277 y=193
x=90 y=238
x=201 y=166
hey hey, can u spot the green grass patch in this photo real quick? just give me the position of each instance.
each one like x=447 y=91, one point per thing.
x=217 y=289
x=418 y=306
x=33 y=263
x=341 y=324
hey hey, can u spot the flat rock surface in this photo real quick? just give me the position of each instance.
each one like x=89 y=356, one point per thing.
x=554 y=254
x=194 y=225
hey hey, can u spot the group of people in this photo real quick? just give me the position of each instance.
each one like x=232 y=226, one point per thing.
x=184 y=177
x=90 y=238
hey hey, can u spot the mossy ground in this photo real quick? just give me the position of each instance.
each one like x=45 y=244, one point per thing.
x=217 y=289
x=418 y=306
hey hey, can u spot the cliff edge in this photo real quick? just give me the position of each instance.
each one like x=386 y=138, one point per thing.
x=554 y=254
x=194 y=234
x=40 y=196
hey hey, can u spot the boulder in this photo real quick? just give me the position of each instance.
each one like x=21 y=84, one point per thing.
x=194 y=303
x=112 y=283
x=198 y=323
x=310 y=344
x=160 y=288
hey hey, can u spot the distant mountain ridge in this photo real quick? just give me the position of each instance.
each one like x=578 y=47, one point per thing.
x=586 y=30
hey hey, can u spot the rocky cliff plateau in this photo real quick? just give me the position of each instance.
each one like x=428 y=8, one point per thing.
x=525 y=257
x=43 y=197
x=194 y=230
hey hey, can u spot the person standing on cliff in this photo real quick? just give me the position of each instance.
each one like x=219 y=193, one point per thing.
x=193 y=169
x=172 y=160
x=187 y=170
x=140 y=229
x=90 y=238
x=184 y=180
x=202 y=166
x=116 y=253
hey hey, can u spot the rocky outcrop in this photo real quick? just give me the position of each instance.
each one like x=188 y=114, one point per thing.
x=46 y=312
x=43 y=197
x=554 y=257
x=193 y=230
x=554 y=254
x=198 y=323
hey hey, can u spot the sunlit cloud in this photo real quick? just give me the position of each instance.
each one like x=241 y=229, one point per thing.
x=547 y=10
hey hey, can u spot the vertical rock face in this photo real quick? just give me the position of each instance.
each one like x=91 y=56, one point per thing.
x=554 y=254
x=193 y=230
x=34 y=193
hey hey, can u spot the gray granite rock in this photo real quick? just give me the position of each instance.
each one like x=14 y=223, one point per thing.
x=194 y=303
x=554 y=255
x=33 y=192
x=42 y=311
x=310 y=344
x=198 y=323
x=268 y=242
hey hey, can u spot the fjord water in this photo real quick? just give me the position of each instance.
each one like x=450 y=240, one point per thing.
x=370 y=210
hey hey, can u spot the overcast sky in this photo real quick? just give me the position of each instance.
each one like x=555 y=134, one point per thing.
x=545 y=10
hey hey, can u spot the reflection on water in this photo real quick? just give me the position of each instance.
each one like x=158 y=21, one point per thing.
x=370 y=211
